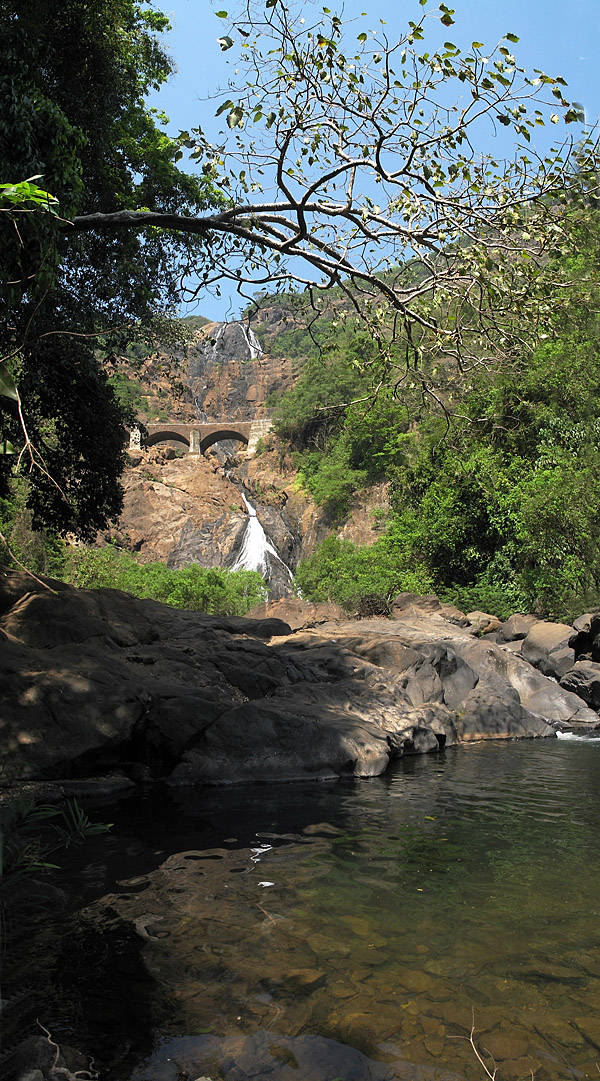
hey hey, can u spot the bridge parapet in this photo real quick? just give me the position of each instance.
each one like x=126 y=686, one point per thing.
x=258 y=430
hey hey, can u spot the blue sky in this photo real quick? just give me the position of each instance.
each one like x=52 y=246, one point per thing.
x=562 y=39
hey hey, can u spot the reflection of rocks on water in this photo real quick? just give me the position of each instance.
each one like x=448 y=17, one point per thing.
x=261 y=1055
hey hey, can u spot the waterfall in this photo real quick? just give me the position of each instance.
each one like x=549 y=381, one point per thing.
x=251 y=341
x=257 y=551
x=231 y=346
x=215 y=340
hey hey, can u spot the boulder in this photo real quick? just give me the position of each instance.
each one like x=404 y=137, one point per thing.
x=483 y=622
x=586 y=637
x=516 y=628
x=583 y=679
x=583 y=623
x=99 y=683
x=547 y=647
x=298 y=613
x=427 y=603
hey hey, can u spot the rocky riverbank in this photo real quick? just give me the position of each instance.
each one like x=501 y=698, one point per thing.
x=101 y=685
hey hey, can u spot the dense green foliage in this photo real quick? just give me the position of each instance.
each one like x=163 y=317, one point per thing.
x=500 y=510
x=201 y=589
x=73 y=83
x=40 y=550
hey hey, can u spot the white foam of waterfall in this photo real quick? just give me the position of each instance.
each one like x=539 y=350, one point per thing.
x=251 y=341
x=215 y=340
x=256 y=547
x=579 y=738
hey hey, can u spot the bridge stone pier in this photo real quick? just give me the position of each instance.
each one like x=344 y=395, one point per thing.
x=199 y=437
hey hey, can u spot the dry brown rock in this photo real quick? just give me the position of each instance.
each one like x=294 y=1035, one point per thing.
x=516 y=628
x=483 y=622
x=299 y=613
x=180 y=511
x=547 y=647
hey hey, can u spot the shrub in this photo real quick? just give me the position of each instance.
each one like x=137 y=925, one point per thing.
x=201 y=589
x=363 y=580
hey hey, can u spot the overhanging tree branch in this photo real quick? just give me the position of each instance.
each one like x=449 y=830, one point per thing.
x=372 y=187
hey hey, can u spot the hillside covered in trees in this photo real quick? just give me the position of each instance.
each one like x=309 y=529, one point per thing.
x=493 y=486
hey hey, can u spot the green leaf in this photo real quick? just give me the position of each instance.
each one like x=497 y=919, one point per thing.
x=222 y=14
x=362 y=37
x=447 y=20
x=235 y=117
x=6 y=447
x=225 y=43
x=7 y=384
x=512 y=37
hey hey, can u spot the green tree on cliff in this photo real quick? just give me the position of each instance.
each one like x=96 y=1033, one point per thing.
x=73 y=82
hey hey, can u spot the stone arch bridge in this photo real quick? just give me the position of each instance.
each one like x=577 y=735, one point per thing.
x=199 y=437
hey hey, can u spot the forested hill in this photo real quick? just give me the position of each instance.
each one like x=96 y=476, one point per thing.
x=493 y=504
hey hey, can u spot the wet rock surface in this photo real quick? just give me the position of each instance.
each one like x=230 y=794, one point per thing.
x=97 y=682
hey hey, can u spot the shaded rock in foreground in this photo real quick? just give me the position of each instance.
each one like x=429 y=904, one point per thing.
x=97 y=681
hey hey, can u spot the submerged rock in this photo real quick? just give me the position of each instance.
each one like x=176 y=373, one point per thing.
x=96 y=681
x=259 y=1055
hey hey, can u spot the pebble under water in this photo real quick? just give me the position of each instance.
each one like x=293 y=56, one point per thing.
x=350 y=930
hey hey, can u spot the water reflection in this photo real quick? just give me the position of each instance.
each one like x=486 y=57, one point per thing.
x=373 y=917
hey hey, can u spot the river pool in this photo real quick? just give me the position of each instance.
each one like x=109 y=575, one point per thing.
x=312 y=932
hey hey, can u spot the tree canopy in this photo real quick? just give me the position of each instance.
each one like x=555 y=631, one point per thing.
x=350 y=161
x=348 y=166
x=73 y=83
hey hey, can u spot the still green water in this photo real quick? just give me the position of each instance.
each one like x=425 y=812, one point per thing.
x=350 y=931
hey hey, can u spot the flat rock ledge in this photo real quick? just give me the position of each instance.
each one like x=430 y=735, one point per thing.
x=99 y=684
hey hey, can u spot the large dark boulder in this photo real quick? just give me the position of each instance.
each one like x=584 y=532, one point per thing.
x=96 y=682
x=586 y=637
x=583 y=679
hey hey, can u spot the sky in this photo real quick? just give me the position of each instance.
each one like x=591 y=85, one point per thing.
x=561 y=38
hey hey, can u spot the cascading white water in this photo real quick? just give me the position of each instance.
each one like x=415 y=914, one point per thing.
x=215 y=340
x=251 y=341
x=257 y=548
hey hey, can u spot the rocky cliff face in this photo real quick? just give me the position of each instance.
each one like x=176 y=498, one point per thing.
x=221 y=371
x=229 y=375
x=189 y=509
x=179 y=510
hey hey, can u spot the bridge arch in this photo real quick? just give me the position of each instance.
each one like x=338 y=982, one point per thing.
x=166 y=435
x=216 y=437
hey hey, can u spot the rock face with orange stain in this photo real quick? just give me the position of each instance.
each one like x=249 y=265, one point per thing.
x=179 y=510
x=97 y=681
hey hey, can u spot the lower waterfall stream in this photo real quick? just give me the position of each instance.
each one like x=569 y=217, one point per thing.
x=257 y=553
